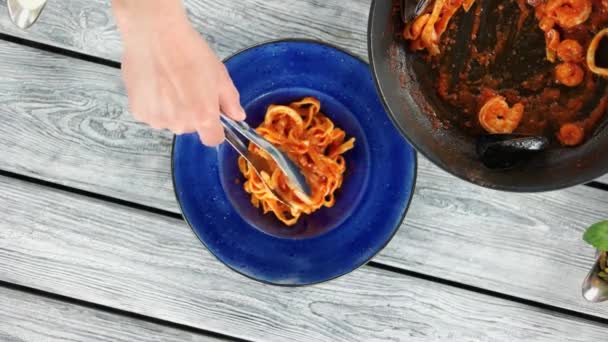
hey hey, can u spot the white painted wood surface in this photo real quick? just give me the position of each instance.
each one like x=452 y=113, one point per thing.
x=64 y=121
x=78 y=110
x=88 y=26
x=526 y=245
x=152 y=265
x=603 y=179
x=27 y=317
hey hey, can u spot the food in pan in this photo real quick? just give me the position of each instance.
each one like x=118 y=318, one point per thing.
x=532 y=68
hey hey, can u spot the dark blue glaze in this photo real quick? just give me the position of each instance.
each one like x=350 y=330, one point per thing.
x=334 y=241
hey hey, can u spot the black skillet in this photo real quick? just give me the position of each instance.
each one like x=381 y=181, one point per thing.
x=407 y=89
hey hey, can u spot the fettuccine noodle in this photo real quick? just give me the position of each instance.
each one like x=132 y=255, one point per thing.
x=592 y=52
x=312 y=141
x=425 y=32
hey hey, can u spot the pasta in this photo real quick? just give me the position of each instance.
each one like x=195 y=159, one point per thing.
x=425 y=32
x=312 y=141
x=592 y=52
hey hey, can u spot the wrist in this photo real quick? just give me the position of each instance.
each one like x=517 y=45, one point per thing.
x=148 y=15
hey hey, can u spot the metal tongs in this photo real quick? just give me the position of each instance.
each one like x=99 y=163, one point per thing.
x=235 y=128
x=409 y=12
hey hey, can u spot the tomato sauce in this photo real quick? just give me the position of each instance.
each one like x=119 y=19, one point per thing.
x=506 y=55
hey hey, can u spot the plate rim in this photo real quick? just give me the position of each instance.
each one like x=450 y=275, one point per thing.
x=371 y=257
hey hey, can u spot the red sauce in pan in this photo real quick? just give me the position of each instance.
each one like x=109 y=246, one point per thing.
x=505 y=54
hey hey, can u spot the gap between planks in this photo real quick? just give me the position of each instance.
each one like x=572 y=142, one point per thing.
x=118 y=312
x=169 y=214
x=435 y=310
x=177 y=215
x=600 y=183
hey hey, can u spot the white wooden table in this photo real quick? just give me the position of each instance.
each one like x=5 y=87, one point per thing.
x=92 y=245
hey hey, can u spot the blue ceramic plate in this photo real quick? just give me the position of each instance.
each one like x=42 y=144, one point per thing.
x=370 y=206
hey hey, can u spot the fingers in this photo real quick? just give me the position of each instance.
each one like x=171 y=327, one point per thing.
x=161 y=108
x=172 y=109
x=198 y=90
x=210 y=131
x=229 y=97
x=183 y=95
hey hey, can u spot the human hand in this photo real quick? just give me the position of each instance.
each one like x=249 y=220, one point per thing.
x=173 y=79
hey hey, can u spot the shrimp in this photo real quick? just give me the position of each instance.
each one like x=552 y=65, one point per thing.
x=569 y=13
x=496 y=117
x=569 y=74
x=553 y=41
x=571 y=134
x=570 y=50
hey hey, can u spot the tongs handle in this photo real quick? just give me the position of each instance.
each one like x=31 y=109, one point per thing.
x=233 y=139
x=245 y=130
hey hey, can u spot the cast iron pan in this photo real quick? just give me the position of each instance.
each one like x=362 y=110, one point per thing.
x=406 y=87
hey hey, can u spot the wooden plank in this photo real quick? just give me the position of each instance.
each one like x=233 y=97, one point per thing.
x=88 y=26
x=78 y=125
x=149 y=264
x=55 y=130
x=603 y=179
x=27 y=317
x=526 y=245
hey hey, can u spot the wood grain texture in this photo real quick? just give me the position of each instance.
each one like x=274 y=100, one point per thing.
x=64 y=121
x=152 y=265
x=77 y=124
x=27 y=317
x=526 y=245
x=88 y=26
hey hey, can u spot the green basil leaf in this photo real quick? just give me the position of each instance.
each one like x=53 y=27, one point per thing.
x=597 y=235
